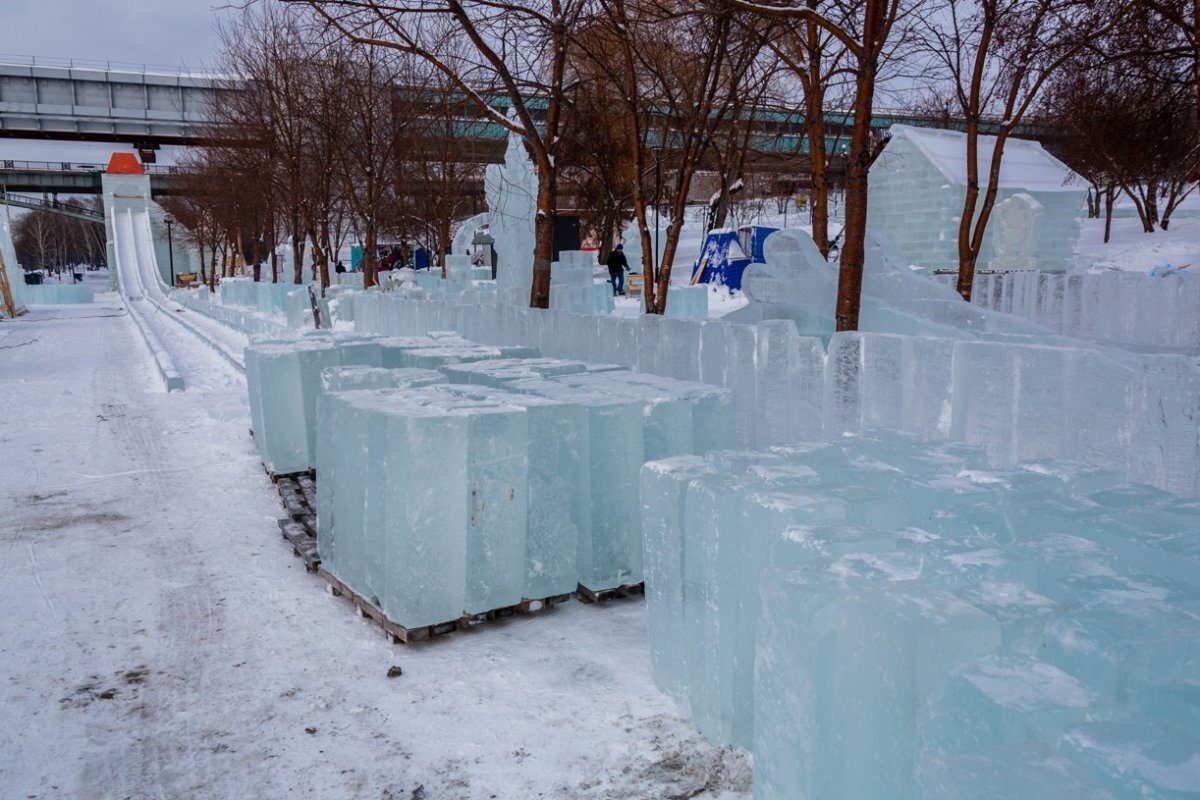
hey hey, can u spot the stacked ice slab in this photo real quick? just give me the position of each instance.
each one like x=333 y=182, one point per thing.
x=56 y=294
x=283 y=377
x=1111 y=307
x=884 y=618
x=571 y=286
x=539 y=461
x=269 y=298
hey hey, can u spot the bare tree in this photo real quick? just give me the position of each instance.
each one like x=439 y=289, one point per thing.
x=865 y=29
x=998 y=56
x=681 y=69
x=818 y=60
x=516 y=49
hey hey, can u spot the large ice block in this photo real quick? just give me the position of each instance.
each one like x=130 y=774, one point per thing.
x=610 y=543
x=283 y=379
x=1002 y=700
x=664 y=487
x=1136 y=757
x=844 y=662
x=1009 y=772
x=557 y=483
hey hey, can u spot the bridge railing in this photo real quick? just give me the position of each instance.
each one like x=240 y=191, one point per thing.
x=105 y=66
x=77 y=166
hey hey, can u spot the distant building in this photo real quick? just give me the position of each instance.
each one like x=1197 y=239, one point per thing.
x=918 y=185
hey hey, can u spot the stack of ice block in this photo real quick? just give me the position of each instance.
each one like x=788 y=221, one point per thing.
x=687 y=302
x=283 y=379
x=589 y=430
x=447 y=500
x=429 y=539
x=881 y=617
x=571 y=286
x=57 y=294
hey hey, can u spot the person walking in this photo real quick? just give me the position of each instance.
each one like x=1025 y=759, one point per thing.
x=617 y=264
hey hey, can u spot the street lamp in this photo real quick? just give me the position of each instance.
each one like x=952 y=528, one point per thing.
x=169 y=220
x=654 y=265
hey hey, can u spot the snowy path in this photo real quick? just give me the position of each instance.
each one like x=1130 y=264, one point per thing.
x=160 y=641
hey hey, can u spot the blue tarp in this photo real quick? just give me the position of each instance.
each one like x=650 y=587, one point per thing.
x=722 y=259
x=752 y=241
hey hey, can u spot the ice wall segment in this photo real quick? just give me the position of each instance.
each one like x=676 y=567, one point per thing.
x=918 y=185
x=1127 y=309
x=884 y=617
x=925 y=363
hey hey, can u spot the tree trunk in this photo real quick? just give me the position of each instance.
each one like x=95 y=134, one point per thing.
x=443 y=235
x=1135 y=196
x=297 y=249
x=1108 y=213
x=849 y=295
x=543 y=247
x=370 y=248
x=814 y=129
x=1152 y=201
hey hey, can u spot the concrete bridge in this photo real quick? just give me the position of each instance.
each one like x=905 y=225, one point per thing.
x=72 y=177
x=105 y=102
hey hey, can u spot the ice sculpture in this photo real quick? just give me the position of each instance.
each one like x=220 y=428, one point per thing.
x=1017 y=221
x=918 y=185
x=632 y=240
x=511 y=190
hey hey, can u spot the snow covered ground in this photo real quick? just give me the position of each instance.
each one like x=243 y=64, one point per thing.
x=1133 y=250
x=161 y=641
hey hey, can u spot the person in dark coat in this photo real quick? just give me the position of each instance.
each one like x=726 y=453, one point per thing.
x=617 y=264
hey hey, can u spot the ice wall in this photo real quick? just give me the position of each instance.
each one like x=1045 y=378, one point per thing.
x=56 y=294
x=1111 y=307
x=881 y=617
x=268 y=298
x=919 y=366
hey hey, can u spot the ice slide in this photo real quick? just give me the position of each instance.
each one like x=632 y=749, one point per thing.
x=169 y=330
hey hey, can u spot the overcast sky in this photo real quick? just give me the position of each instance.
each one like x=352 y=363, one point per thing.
x=170 y=33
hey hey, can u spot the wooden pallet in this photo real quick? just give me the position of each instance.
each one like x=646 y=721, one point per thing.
x=298 y=499
x=400 y=634
x=589 y=596
x=276 y=477
x=304 y=543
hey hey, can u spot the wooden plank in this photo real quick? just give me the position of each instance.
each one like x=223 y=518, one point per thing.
x=587 y=595
x=402 y=635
